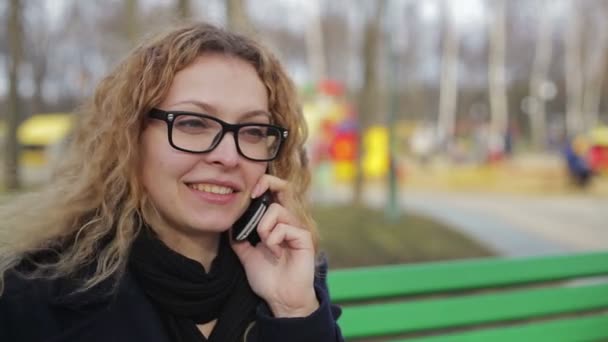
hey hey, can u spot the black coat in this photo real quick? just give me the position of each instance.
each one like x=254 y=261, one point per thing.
x=42 y=310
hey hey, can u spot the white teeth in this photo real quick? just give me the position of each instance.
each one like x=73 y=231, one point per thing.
x=215 y=189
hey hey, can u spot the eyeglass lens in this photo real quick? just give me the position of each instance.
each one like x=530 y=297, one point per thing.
x=200 y=134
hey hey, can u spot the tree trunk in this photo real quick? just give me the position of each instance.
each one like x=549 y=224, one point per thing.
x=132 y=20
x=368 y=103
x=315 y=44
x=39 y=67
x=540 y=72
x=573 y=72
x=496 y=68
x=183 y=9
x=37 y=97
x=15 y=39
x=238 y=20
x=594 y=73
x=448 y=93
x=38 y=37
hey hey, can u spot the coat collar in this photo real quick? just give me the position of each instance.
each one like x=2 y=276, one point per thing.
x=67 y=292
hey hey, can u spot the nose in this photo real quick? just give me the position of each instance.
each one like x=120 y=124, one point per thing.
x=225 y=153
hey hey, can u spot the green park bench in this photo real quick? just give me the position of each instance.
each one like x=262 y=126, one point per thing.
x=549 y=298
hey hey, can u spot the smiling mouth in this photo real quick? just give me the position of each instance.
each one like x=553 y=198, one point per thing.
x=211 y=188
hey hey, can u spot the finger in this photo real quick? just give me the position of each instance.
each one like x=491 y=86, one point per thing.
x=245 y=252
x=275 y=214
x=286 y=236
x=275 y=184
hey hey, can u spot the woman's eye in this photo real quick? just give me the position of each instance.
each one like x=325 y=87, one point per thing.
x=196 y=125
x=191 y=123
x=255 y=132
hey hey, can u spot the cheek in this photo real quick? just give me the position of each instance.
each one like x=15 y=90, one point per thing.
x=254 y=172
x=160 y=164
x=164 y=167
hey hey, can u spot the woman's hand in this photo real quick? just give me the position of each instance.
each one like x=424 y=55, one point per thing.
x=280 y=268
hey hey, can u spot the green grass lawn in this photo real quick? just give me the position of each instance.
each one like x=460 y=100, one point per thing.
x=353 y=236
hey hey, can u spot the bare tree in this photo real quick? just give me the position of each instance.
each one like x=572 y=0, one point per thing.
x=15 y=39
x=368 y=103
x=340 y=44
x=132 y=20
x=39 y=34
x=448 y=93
x=573 y=73
x=496 y=69
x=237 y=17
x=315 y=43
x=539 y=77
x=415 y=97
x=184 y=9
x=595 y=64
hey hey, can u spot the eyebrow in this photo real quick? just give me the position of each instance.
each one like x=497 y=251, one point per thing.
x=254 y=113
x=206 y=107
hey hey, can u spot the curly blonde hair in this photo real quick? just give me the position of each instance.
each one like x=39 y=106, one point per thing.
x=97 y=193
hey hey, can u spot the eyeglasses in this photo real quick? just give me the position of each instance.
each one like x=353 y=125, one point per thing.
x=200 y=133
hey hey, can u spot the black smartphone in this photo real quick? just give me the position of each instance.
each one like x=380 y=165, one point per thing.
x=245 y=228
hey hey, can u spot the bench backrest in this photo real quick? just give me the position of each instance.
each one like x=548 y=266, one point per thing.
x=553 y=295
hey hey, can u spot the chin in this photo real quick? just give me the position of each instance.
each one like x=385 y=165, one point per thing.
x=219 y=226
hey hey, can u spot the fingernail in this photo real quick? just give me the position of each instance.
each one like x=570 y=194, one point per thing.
x=255 y=191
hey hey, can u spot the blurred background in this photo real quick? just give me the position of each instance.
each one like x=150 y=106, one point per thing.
x=438 y=129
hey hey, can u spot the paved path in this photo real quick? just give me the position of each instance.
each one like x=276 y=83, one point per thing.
x=520 y=225
x=511 y=225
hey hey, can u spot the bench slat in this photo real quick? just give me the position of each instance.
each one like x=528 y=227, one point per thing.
x=399 y=280
x=592 y=328
x=410 y=316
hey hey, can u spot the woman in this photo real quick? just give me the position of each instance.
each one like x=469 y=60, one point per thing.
x=131 y=241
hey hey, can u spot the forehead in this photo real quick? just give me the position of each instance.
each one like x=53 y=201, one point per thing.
x=227 y=85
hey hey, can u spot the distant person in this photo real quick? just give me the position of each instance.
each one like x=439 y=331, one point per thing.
x=133 y=239
x=579 y=171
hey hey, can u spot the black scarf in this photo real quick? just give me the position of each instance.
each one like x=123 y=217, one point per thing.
x=186 y=295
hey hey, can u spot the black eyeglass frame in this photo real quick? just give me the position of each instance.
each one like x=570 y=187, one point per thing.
x=170 y=116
